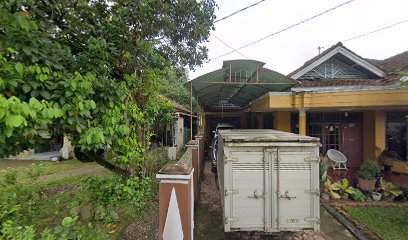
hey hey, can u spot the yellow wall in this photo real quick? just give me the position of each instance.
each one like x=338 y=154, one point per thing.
x=261 y=104
x=353 y=99
x=373 y=134
x=281 y=121
x=366 y=98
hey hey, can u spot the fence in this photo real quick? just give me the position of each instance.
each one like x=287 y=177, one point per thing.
x=179 y=192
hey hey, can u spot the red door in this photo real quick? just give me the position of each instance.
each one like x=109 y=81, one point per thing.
x=352 y=143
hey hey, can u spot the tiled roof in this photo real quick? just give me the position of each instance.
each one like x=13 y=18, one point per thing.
x=397 y=64
x=395 y=67
x=321 y=55
x=180 y=108
x=314 y=59
x=340 y=82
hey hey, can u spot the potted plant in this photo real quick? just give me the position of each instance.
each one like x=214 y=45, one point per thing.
x=330 y=190
x=323 y=166
x=390 y=190
x=367 y=175
x=344 y=188
x=357 y=195
x=387 y=157
x=376 y=196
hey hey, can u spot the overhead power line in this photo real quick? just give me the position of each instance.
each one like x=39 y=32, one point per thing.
x=245 y=8
x=377 y=30
x=285 y=29
x=226 y=44
x=368 y=33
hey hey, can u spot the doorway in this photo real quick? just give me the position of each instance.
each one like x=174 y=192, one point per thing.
x=342 y=132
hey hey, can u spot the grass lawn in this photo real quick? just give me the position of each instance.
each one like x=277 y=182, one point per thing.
x=389 y=222
x=49 y=191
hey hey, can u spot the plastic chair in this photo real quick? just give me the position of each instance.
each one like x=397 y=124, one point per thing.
x=338 y=160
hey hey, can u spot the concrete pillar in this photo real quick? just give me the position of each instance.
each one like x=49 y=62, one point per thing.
x=204 y=123
x=179 y=130
x=281 y=121
x=176 y=202
x=302 y=121
x=67 y=148
x=193 y=146
x=260 y=121
x=200 y=142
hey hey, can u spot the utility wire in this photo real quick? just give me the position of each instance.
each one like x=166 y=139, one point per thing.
x=285 y=29
x=245 y=8
x=219 y=39
x=377 y=30
x=369 y=33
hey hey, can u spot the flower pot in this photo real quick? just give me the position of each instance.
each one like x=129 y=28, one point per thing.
x=388 y=198
x=376 y=196
x=325 y=196
x=366 y=185
x=387 y=161
x=344 y=196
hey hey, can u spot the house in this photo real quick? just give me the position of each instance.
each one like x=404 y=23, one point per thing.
x=353 y=104
x=176 y=134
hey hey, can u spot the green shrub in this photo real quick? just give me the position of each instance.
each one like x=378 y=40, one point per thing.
x=36 y=170
x=156 y=159
x=323 y=166
x=358 y=195
x=8 y=204
x=368 y=170
x=10 y=178
x=67 y=231
x=113 y=189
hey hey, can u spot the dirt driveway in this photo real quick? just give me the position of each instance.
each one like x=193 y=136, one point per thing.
x=208 y=223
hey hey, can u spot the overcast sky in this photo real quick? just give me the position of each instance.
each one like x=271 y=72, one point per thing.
x=287 y=51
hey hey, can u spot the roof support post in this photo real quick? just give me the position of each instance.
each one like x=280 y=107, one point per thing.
x=302 y=121
x=230 y=73
x=191 y=110
x=257 y=74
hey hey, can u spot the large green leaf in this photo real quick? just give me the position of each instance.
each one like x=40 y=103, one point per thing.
x=20 y=68
x=15 y=121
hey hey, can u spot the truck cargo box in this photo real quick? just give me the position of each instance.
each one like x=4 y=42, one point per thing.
x=269 y=180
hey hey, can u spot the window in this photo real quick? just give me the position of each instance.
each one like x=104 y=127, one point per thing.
x=396 y=133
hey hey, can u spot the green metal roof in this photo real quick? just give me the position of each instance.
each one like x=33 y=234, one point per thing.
x=236 y=84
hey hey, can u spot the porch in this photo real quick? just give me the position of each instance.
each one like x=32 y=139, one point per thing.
x=361 y=123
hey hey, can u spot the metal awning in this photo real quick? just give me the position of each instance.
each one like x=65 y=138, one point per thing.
x=236 y=84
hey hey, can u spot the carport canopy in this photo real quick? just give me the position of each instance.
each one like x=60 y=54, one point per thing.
x=236 y=84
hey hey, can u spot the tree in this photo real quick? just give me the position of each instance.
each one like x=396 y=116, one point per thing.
x=91 y=69
x=176 y=89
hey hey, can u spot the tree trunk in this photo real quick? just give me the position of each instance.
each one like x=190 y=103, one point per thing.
x=98 y=158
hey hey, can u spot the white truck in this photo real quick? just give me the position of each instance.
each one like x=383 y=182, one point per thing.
x=269 y=180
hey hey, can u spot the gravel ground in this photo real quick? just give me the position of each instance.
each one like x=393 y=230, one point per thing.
x=145 y=228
